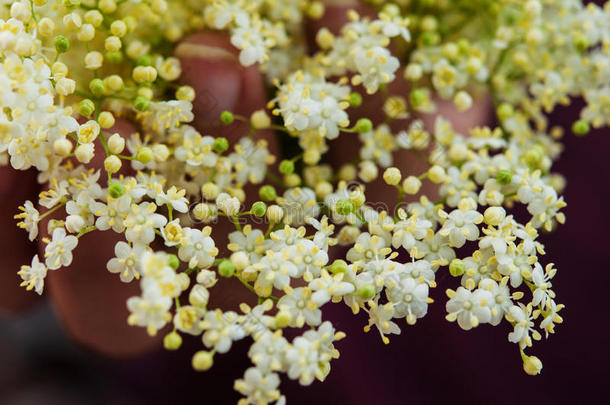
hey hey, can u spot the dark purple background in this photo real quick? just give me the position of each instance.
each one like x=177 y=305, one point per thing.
x=432 y=362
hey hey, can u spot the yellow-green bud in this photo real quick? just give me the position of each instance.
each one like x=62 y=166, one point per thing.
x=226 y=268
x=417 y=97
x=581 y=128
x=86 y=107
x=505 y=111
x=202 y=360
x=344 y=206
x=533 y=157
x=174 y=263
x=531 y=364
x=114 y=56
x=220 y=145
x=144 y=155
x=62 y=44
x=172 y=341
x=457 y=267
x=116 y=189
x=338 y=266
x=504 y=177
x=226 y=117
x=144 y=60
x=366 y=291
x=355 y=100
x=286 y=166
x=267 y=193
x=363 y=125
x=141 y=103
x=259 y=208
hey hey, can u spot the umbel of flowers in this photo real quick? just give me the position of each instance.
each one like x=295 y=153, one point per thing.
x=69 y=68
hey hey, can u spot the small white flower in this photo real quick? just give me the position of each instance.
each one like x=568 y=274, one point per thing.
x=58 y=252
x=221 y=329
x=126 y=263
x=469 y=308
x=33 y=275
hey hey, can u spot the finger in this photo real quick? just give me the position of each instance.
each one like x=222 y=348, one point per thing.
x=211 y=66
x=15 y=188
x=89 y=300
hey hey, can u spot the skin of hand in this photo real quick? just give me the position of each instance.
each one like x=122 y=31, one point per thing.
x=89 y=300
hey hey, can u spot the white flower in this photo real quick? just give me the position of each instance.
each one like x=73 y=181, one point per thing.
x=298 y=204
x=275 y=270
x=227 y=204
x=376 y=66
x=268 y=351
x=126 y=262
x=111 y=215
x=196 y=150
x=522 y=318
x=30 y=217
x=221 y=329
x=188 y=318
x=150 y=310
x=198 y=249
x=174 y=197
x=258 y=388
x=58 y=252
x=298 y=302
x=327 y=287
x=168 y=115
x=309 y=258
x=367 y=248
x=33 y=276
x=410 y=299
x=461 y=225
x=469 y=308
x=250 y=161
x=141 y=223
x=380 y=316
x=543 y=293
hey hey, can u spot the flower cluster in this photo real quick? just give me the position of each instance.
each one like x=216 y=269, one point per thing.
x=70 y=69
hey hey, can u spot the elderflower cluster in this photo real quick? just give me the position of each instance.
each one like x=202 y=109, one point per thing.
x=69 y=70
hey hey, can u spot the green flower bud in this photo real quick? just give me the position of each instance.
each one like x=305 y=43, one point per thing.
x=430 y=38
x=226 y=117
x=504 y=177
x=116 y=189
x=267 y=193
x=174 y=263
x=226 y=268
x=62 y=44
x=366 y=291
x=505 y=111
x=417 y=98
x=355 y=100
x=145 y=60
x=113 y=57
x=172 y=341
x=141 y=103
x=457 y=267
x=220 y=145
x=581 y=42
x=344 y=206
x=259 y=208
x=86 y=107
x=144 y=155
x=363 y=125
x=97 y=87
x=286 y=167
x=338 y=266
x=581 y=128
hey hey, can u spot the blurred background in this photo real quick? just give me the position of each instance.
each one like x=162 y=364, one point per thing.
x=432 y=362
